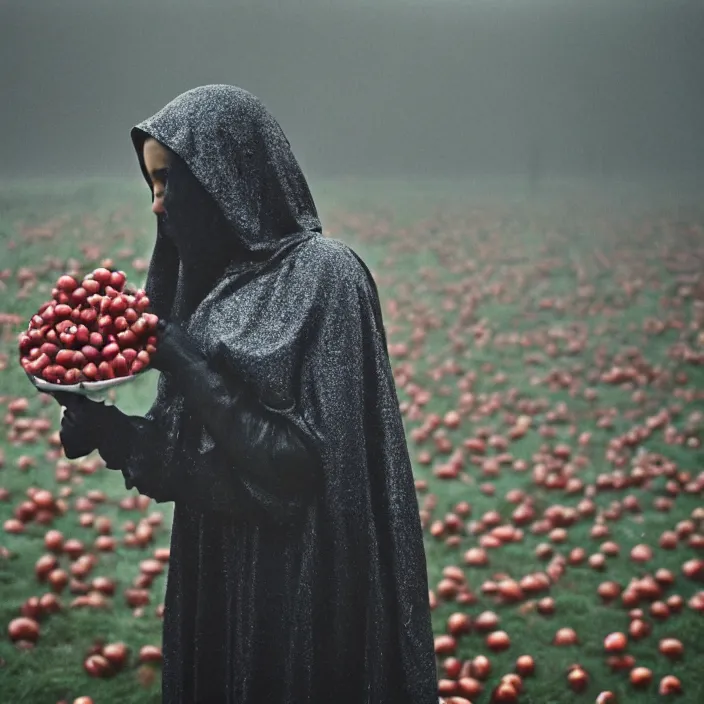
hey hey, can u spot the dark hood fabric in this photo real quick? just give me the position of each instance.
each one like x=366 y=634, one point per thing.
x=334 y=607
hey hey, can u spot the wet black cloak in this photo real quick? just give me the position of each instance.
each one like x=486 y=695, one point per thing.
x=281 y=588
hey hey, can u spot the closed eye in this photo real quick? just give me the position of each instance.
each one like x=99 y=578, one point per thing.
x=160 y=176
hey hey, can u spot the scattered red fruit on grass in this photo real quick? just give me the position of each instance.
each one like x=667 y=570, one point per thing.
x=694 y=570
x=45 y=564
x=609 y=591
x=458 y=624
x=641 y=677
x=486 y=621
x=671 y=648
x=504 y=693
x=638 y=629
x=641 y=553
x=150 y=654
x=115 y=654
x=621 y=663
x=577 y=679
x=606 y=698
x=565 y=636
x=669 y=685
x=514 y=680
x=469 y=686
x=49 y=603
x=23 y=629
x=53 y=541
x=498 y=641
x=445 y=645
x=481 y=667
x=615 y=643
x=14 y=526
x=97 y=666
x=525 y=666
x=546 y=606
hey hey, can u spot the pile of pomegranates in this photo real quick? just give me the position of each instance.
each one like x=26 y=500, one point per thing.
x=92 y=330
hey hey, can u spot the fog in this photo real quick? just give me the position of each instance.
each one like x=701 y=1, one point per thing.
x=531 y=88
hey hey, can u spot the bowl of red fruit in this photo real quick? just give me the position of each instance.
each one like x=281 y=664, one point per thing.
x=94 y=334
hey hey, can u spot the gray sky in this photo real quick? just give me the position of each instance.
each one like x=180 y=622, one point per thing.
x=389 y=87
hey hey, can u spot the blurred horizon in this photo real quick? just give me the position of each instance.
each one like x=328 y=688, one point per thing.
x=535 y=91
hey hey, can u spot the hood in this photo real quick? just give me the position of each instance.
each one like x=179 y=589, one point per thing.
x=240 y=156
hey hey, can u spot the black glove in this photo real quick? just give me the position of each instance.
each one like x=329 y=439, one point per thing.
x=77 y=434
x=88 y=426
x=175 y=350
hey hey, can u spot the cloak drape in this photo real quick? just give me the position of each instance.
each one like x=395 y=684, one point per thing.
x=281 y=588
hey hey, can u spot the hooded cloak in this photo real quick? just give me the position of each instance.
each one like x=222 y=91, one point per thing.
x=274 y=593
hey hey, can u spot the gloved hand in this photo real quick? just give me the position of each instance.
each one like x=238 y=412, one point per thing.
x=175 y=350
x=88 y=426
x=78 y=435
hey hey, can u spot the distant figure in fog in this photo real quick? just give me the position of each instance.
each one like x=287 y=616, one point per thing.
x=297 y=571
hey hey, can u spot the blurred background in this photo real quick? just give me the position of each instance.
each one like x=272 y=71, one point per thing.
x=539 y=89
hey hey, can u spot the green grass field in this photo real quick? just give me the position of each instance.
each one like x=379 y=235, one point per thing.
x=512 y=312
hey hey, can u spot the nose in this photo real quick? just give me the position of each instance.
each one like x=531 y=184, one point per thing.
x=158 y=205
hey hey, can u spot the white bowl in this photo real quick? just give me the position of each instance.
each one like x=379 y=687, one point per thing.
x=94 y=390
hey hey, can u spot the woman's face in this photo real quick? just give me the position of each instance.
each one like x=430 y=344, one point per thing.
x=156 y=161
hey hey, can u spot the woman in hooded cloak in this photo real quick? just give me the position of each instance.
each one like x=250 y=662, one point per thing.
x=297 y=568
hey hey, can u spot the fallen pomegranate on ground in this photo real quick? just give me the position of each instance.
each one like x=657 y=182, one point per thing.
x=91 y=330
